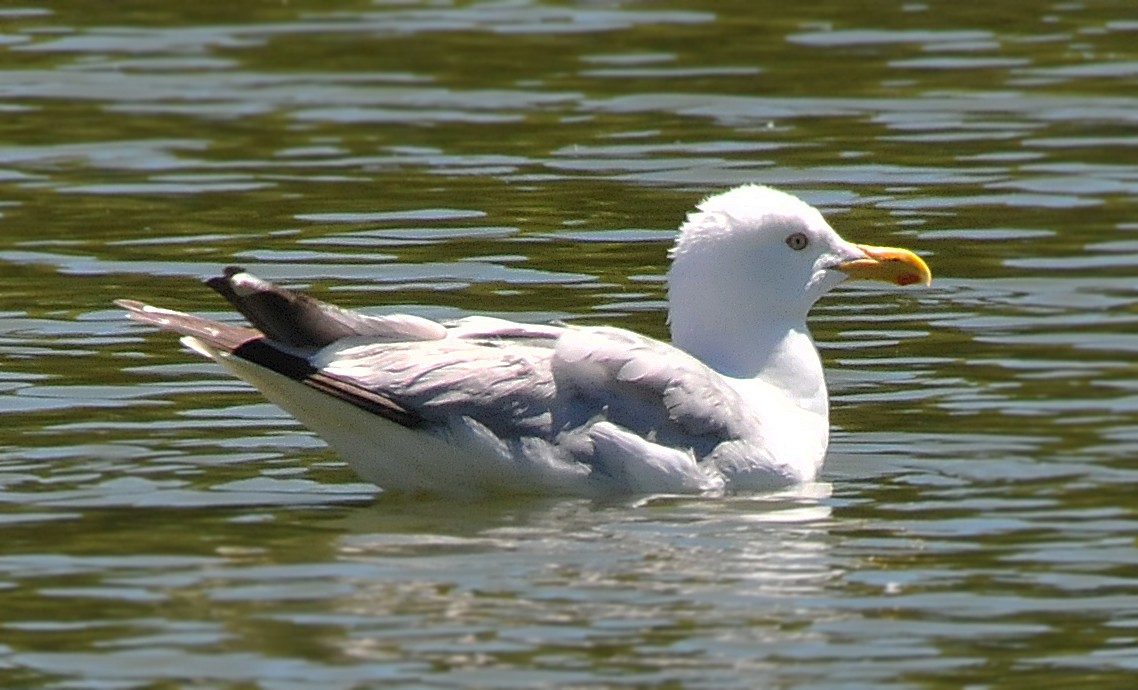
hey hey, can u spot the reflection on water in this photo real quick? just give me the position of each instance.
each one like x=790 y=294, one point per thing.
x=164 y=526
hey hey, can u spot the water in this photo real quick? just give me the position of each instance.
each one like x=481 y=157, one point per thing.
x=162 y=527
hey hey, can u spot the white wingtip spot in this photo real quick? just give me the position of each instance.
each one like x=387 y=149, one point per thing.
x=245 y=284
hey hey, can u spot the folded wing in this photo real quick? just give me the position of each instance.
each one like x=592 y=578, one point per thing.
x=604 y=406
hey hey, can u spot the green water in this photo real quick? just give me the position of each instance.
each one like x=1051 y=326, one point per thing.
x=162 y=527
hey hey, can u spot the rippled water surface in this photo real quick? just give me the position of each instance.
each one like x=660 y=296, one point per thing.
x=163 y=527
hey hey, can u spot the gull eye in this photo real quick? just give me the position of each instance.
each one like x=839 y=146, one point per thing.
x=797 y=241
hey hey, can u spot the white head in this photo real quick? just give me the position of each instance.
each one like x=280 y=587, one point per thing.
x=748 y=266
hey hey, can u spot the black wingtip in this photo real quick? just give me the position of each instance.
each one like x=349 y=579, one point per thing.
x=221 y=284
x=282 y=315
x=286 y=317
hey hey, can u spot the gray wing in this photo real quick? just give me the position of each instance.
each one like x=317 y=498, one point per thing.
x=580 y=388
x=536 y=384
x=505 y=384
x=650 y=388
x=405 y=368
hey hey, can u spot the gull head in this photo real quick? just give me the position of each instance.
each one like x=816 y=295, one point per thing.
x=750 y=263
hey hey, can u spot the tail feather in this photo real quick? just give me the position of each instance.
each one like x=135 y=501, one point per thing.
x=218 y=340
x=223 y=336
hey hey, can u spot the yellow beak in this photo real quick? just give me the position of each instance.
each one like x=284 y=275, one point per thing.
x=890 y=264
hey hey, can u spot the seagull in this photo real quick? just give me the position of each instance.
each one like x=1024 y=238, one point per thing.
x=484 y=406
